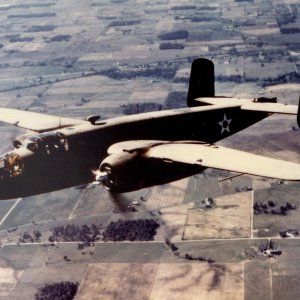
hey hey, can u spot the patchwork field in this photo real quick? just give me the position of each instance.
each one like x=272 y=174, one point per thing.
x=119 y=57
x=230 y=218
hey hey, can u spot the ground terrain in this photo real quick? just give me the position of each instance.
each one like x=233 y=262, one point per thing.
x=115 y=57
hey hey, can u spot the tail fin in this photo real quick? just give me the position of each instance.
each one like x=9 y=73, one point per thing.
x=202 y=81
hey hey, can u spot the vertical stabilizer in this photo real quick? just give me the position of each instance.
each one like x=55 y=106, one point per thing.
x=298 y=114
x=202 y=81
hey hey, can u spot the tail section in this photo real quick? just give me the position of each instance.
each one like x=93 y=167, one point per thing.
x=298 y=114
x=202 y=81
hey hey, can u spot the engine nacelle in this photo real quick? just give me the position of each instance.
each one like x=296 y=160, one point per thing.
x=122 y=172
x=125 y=172
x=18 y=142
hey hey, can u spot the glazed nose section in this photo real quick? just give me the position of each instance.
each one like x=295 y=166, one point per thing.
x=11 y=169
x=11 y=166
x=3 y=171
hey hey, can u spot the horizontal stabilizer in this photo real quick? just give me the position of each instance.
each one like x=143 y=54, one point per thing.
x=35 y=121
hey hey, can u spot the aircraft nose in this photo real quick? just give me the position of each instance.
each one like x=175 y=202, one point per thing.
x=10 y=187
x=11 y=169
x=5 y=188
x=11 y=166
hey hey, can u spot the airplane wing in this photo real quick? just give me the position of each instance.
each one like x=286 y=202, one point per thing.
x=211 y=156
x=35 y=121
x=278 y=108
x=252 y=105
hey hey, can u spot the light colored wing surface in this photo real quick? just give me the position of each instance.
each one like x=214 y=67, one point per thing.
x=211 y=156
x=271 y=108
x=252 y=105
x=223 y=100
x=35 y=121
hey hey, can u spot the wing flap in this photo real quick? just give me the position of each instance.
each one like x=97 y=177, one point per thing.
x=211 y=156
x=35 y=121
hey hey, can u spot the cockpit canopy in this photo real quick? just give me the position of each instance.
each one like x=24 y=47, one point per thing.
x=11 y=165
x=47 y=143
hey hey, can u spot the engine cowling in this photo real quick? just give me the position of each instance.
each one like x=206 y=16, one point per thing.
x=121 y=172
x=18 y=142
x=125 y=172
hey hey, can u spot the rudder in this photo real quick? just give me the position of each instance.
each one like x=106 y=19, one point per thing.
x=202 y=81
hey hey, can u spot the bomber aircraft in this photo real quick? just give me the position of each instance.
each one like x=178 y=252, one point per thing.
x=128 y=153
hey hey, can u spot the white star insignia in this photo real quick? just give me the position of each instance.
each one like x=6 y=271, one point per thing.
x=225 y=124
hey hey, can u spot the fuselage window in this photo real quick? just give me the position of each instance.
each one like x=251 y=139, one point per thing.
x=48 y=144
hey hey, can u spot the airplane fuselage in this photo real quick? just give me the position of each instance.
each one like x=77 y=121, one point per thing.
x=86 y=147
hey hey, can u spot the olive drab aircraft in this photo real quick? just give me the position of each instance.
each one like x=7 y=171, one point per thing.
x=128 y=153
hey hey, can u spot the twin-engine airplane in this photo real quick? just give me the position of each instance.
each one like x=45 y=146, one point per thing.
x=132 y=152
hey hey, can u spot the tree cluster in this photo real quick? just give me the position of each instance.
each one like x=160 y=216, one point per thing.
x=74 y=233
x=41 y=28
x=289 y=30
x=131 y=230
x=14 y=38
x=174 y=35
x=124 y=23
x=64 y=290
x=202 y=18
x=164 y=72
x=137 y=108
x=26 y=5
x=235 y=78
x=199 y=258
x=243 y=0
x=187 y=256
x=183 y=7
x=30 y=238
x=33 y=15
x=270 y=208
x=286 y=14
x=58 y=38
x=207 y=8
x=288 y=77
x=169 y=46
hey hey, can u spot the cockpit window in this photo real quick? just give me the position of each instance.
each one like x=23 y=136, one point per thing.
x=11 y=165
x=47 y=143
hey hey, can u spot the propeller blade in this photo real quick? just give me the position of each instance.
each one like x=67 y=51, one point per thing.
x=120 y=202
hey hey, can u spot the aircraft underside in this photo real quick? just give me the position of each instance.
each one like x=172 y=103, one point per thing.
x=132 y=152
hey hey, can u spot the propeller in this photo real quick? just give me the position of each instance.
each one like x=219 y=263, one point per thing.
x=120 y=201
x=104 y=177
